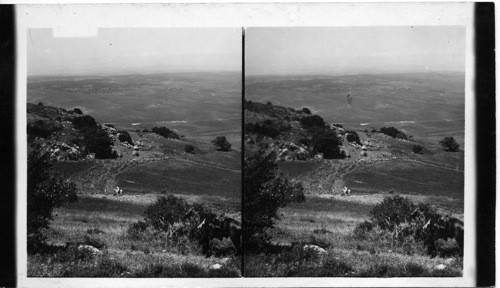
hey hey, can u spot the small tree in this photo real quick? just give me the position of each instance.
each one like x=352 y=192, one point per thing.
x=45 y=192
x=97 y=141
x=264 y=192
x=417 y=149
x=189 y=148
x=222 y=144
x=449 y=144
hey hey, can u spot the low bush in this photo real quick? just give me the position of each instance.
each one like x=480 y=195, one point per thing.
x=124 y=136
x=84 y=122
x=94 y=240
x=392 y=211
x=222 y=144
x=313 y=121
x=189 y=148
x=42 y=129
x=165 y=132
x=393 y=132
x=417 y=149
x=352 y=136
x=267 y=128
x=97 y=141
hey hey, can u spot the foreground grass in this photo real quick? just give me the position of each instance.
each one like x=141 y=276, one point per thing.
x=329 y=223
x=103 y=222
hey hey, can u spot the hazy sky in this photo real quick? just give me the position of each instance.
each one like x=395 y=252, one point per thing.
x=354 y=49
x=140 y=50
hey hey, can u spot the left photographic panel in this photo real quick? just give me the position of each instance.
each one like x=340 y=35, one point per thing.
x=134 y=153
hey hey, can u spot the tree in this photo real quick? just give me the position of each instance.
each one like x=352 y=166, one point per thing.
x=312 y=121
x=417 y=149
x=326 y=142
x=45 y=192
x=189 y=148
x=449 y=144
x=264 y=192
x=222 y=144
x=97 y=141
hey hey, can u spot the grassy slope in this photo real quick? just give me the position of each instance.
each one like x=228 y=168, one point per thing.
x=210 y=177
x=435 y=177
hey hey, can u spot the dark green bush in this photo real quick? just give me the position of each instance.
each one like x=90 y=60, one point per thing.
x=392 y=211
x=45 y=192
x=84 y=122
x=393 y=132
x=165 y=132
x=417 y=149
x=352 y=136
x=449 y=144
x=95 y=241
x=124 y=136
x=42 y=129
x=306 y=110
x=97 y=141
x=78 y=111
x=267 y=128
x=222 y=144
x=165 y=212
x=189 y=148
x=326 y=141
x=313 y=121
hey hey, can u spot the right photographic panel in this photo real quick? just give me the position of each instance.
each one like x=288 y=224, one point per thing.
x=354 y=151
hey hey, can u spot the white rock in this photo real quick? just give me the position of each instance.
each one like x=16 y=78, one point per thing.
x=440 y=267
x=90 y=249
x=216 y=266
x=315 y=248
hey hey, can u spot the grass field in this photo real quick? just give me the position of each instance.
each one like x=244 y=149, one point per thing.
x=122 y=255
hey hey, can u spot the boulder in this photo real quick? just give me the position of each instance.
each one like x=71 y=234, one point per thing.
x=136 y=147
x=440 y=267
x=215 y=267
x=89 y=249
x=318 y=156
x=135 y=153
x=91 y=156
x=363 y=147
x=364 y=153
x=314 y=248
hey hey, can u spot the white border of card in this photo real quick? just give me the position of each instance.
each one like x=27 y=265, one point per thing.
x=84 y=20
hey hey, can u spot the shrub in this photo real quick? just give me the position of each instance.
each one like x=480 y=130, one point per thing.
x=78 y=111
x=95 y=241
x=393 y=132
x=40 y=104
x=326 y=142
x=312 y=121
x=352 y=136
x=417 y=149
x=165 y=132
x=124 y=136
x=222 y=144
x=306 y=111
x=84 y=122
x=42 y=129
x=45 y=192
x=97 y=141
x=264 y=191
x=165 y=212
x=449 y=144
x=392 y=211
x=189 y=148
x=267 y=128
x=363 y=229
